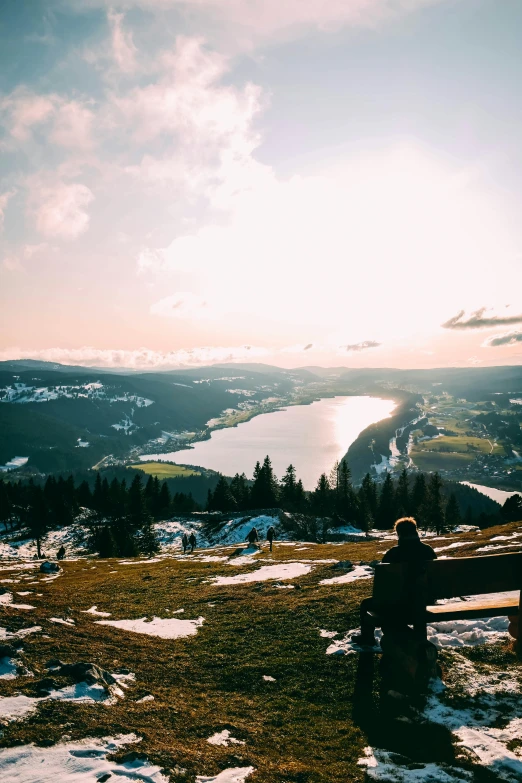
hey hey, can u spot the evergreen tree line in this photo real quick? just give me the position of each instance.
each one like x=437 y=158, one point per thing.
x=120 y=516
x=375 y=504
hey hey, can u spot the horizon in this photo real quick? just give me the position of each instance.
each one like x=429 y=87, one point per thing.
x=196 y=183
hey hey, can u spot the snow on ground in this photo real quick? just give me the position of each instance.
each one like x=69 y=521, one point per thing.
x=19 y=706
x=7 y=600
x=11 y=668
x=280 y=571
x=232 y=775
x=468 y=633
x=93 y=610
x=497 y=547
x=224 y=738
x=359 y=572
x=453 y=546
x=73 y=537
x=386 y=766
x=5 y=634
x=70 y=622
x=168 y=628
x=12 y=464
x=75 y=762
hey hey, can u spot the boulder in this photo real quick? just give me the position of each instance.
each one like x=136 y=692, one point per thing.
x=344 y=564
x=50 y=568
x=7 y=651
x=90 y=673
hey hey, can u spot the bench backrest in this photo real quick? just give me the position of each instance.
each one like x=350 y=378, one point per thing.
x=451 y=578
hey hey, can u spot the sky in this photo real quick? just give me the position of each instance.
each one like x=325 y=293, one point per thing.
x=301 y=183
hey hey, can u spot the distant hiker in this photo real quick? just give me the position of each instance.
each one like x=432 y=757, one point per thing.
x=61 y=553
x=192 y=541
x=270 y=535
x=184 y=542
x=253 y=536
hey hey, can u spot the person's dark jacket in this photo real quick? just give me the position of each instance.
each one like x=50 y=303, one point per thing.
x=416 y=588
x=410 y=549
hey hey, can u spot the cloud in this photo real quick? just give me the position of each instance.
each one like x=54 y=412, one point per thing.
x=67 y=123
x=183 y=305
x=477 y=320
x=23 y=109
x=4 y=201
x=361 y=346
x=123 y=48
x=73 y=125
x=140 y=359
x=60 y=209
x=511 y=338
x=250 y=22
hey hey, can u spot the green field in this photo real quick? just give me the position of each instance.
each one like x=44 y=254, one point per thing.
x=458 y=443
x=164 y=470
x=439 y=460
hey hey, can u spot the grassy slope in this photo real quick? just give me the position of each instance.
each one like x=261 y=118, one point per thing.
x=303 y=728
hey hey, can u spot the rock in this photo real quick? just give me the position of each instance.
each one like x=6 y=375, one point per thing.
x=344 y=564
x=7 y=651
x=50 y=568
x=86 y=672
x=54 y=663
x=44 y=686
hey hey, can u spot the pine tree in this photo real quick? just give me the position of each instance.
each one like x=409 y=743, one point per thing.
x=453 y=518
x=301 y=500
x=402 y=495
x=37 y=517
x=5 y=506
x=321 y=496
x=241 y=491
x=288 y=491
x=386 y=514
x=434 y=513
x=418 y=499
x=511 y=511
x=369 y=492
x=164 y=500
x=222 y=497
x=84 y=495
x=345 y=499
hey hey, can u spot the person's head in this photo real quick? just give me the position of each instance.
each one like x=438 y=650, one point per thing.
x=405 y=527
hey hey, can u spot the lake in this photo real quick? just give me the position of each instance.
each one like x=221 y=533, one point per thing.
x=310 y=437
x=500 y=495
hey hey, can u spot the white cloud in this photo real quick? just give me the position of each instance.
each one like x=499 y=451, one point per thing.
x=123 y=48
x=140 y=359
x=183 y=305
x=23 y=109
x=61 y=209
x=249 y=22
x=4 y=201
x=73 y=125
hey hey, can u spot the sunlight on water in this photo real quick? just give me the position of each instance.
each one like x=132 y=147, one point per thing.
x=311 y=437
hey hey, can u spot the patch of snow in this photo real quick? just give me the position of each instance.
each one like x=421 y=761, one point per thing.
x=224 y=738
x=169 y=628
x=328 y=634
x=453 y=546
x=148 y=697
x=268 y=678
x=93 y=610
x=12 y=464
x=75 y=762
x=386 y=766
x=280 y=571
x=231 y=775
x=60 y=621
x=494 y=548
x=7 y=600
x=5 y=634
x=359 y=572
x=468 y=633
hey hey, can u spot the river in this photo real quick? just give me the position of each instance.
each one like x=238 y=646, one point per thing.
x=311 y=437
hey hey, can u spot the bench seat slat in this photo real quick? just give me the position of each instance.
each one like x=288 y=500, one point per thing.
x=462 y=610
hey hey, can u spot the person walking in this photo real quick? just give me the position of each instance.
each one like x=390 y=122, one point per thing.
x=184 y=542
x=270 y=535
x=61 y=553
x=192 y=541
x=253 y=536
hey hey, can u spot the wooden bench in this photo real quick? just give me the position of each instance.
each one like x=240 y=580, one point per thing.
x=454 y=578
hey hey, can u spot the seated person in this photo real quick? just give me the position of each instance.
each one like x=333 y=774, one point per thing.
x=409 y=549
